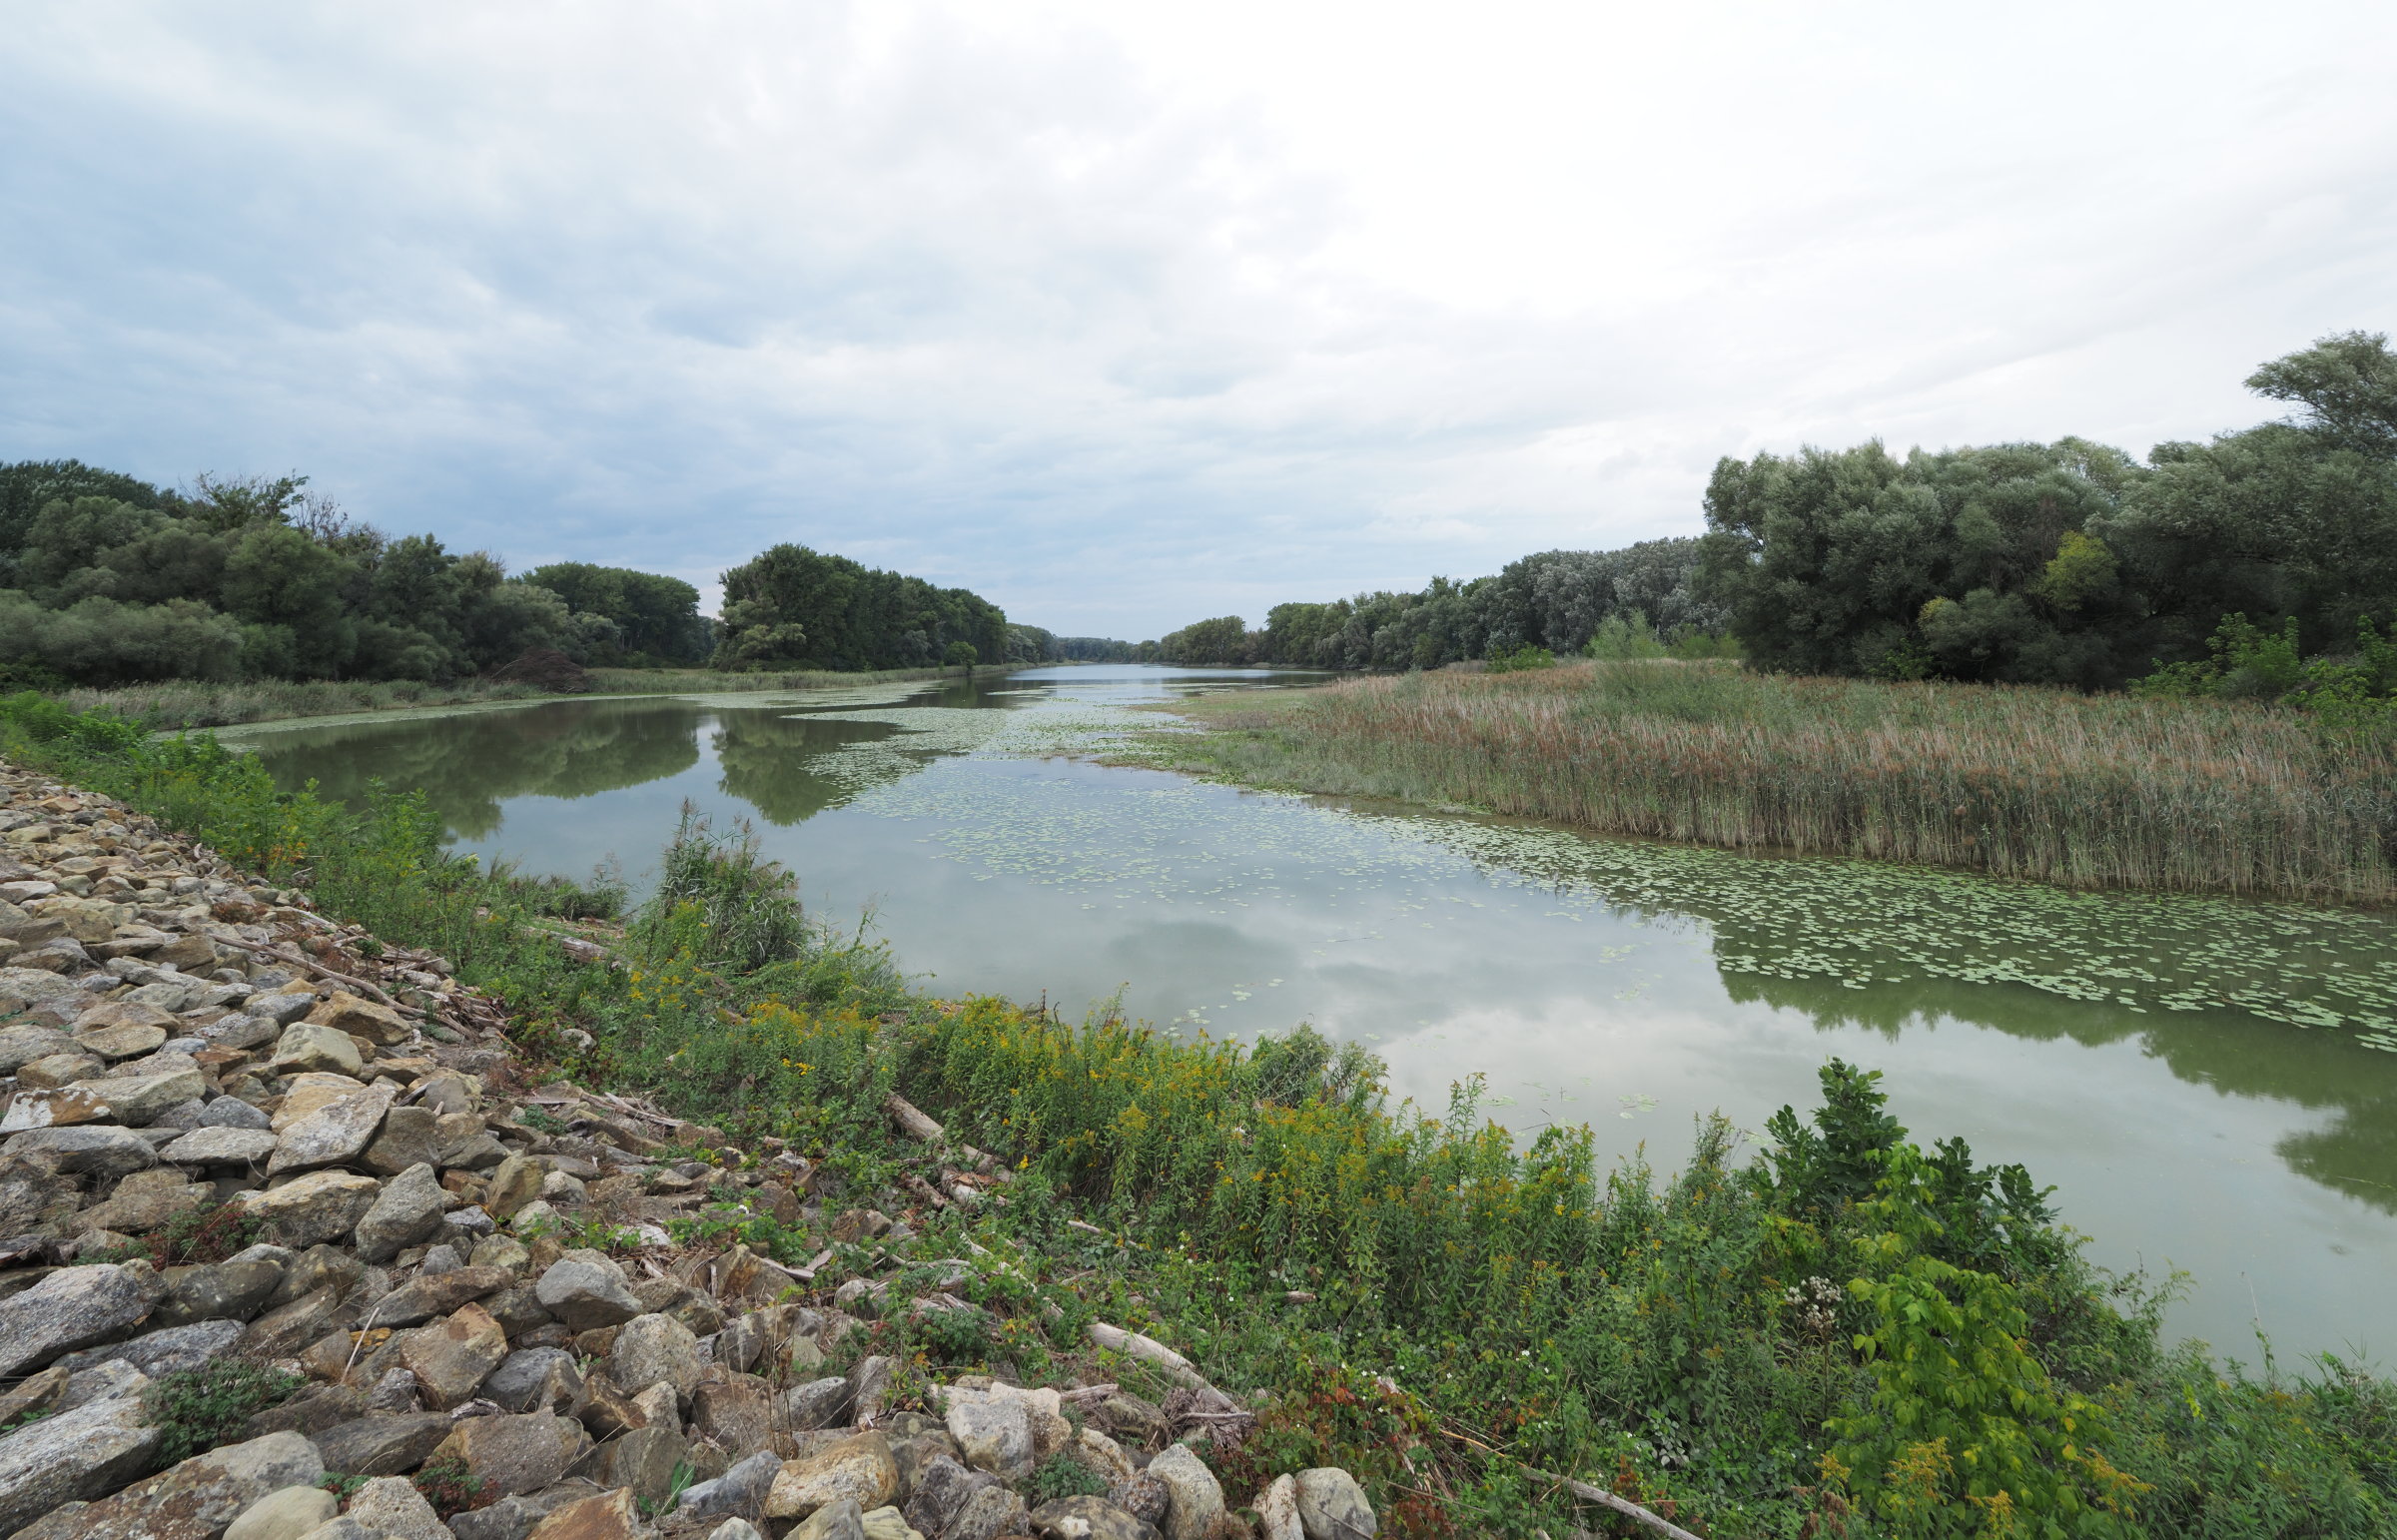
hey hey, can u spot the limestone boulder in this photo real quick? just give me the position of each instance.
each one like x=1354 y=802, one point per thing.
x=859 y=1468
x=320 y=1208
x=407 y=1212
x=339 y=1131
x=199 y=1498
x=85 y=1452
x=1331 y=1506
x=585 y=1290
x=656 y=1350
x=1193 y=1497
x=347 y=1013
x=306 y=1049
x=451 y=1358
x=73 y=1307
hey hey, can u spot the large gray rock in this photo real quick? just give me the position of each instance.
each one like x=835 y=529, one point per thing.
x=451 y=1358
x=740 y=1491
x=197 y=1499
x=587 y=1290
x=859 y=1468
x=408 y=1211
x=229 y=1291
x=534 y=1379
x=232 y=1112
x=21 y=1046
x=656 y=1350
x=339 y=1131
x=166 y=1351
x=216 y=1148
x=306 y=1048
x=1194 y=1500
x=81 y=1453
x=941 y=1489
x=841 y=1520
x=284 y=1515
x=73 y=1307
x=316 y=1208
x=994 y=1431
x=422 y=1298
x=279 y=1007
x=513 y=1518
x=1277 y=1512
x=383 y=1446
x=644 y=1460
x=98 y=1151
x=816 y=1404
x=508 y=1456
x=988 y=1514
x=411 y=1136
x=137 y=1098
x=1094 y=1518
x=1331 y=1506
x=392 y=1508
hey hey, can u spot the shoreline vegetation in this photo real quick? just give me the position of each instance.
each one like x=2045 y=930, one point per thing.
x=191 y=703
x=1852 y=1334
x=2167 y=794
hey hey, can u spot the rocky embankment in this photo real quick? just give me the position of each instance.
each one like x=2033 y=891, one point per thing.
x=288 y=1248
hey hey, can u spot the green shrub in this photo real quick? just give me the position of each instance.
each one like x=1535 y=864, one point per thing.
x=1061 y=1475
x=1521 y=658
x=194 y=1410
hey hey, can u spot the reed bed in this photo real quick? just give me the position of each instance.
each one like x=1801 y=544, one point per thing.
x=2103 y=791
x=199 y=703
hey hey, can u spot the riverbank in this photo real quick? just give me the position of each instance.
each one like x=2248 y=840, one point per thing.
x=189 y=703
x=1418 y=1301
x=2089 y=791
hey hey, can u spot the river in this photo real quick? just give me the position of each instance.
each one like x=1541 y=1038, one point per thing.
x=2211 y=1086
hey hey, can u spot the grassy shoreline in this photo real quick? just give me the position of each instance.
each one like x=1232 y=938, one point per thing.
x=186 y=703
x=2187 y=796
x=1855 y=1335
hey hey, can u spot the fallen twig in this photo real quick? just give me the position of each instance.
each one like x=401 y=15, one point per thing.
x=286 y=955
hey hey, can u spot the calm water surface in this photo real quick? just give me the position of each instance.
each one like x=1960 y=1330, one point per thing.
x=2211 y=1086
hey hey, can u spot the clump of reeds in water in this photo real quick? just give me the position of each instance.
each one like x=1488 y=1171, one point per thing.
x=2083 y=790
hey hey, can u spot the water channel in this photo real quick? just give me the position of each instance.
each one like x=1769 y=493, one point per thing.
x=2211 y=1086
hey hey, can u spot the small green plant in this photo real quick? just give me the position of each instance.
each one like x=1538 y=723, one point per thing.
x=449 y=1487
x=25 y=1418
x=1517 y=659
x=1061 y=1475
x=194 y=1410
x=541 y=1120
x=342 y=1487
x=676 y=1485
x=955 y=1336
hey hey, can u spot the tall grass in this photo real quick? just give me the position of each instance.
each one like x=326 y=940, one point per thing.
x=193 y=703
x=703 y=682
x=175 y=703
x=2108 y=791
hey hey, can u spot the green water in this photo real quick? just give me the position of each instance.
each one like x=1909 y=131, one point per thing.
x=2211 y=1086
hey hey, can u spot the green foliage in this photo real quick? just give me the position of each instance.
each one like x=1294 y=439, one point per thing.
x=719 y=900
x=194 y=1410
x=959 y=654
x=1061 y=1475
x=955 y=1336
x=449 y=1487
x=1521 y=658
x=643 y=620
x=210 y=1234
x=795 y=607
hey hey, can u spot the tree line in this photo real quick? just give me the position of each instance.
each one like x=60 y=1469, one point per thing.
x=1557 y=600
x=105 y=579
x=2216 y=566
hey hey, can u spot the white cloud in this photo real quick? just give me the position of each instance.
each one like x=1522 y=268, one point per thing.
x=1128 y=314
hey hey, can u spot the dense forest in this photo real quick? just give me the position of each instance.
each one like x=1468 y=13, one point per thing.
x=105 y=579
x=2207 y=566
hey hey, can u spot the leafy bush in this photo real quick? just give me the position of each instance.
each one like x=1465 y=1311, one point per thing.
x=1521 y=658
x=449 y=1487
x=194 y=1410
x=1061 y=1475
x=210 y=1234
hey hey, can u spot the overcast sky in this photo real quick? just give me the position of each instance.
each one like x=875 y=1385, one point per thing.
x=1124 y=315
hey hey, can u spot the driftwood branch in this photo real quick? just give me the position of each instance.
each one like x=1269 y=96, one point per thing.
x=916 y=1124
x=288 y=955
x=1623 y=1505
x=1149 y=1350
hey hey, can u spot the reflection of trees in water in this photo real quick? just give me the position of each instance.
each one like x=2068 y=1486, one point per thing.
x=2320 y=1070
x=769 y=761
x=467 y=764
